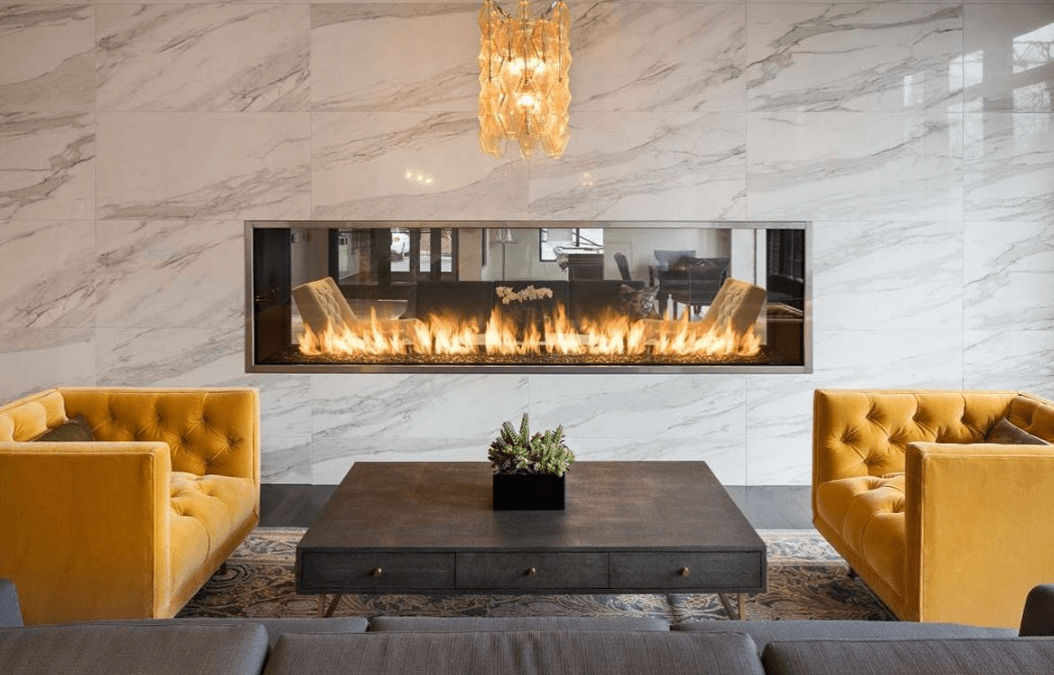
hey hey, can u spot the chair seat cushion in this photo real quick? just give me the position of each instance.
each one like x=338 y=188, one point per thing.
x=206 y=511
x=868 y=512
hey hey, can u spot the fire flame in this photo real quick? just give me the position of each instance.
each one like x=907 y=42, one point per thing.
x=612 y=336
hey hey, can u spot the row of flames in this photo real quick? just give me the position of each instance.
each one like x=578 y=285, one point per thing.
x=502 y=336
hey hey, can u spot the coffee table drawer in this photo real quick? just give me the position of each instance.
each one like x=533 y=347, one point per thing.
x=324 y=571
x=532 y=570
x=672 y=570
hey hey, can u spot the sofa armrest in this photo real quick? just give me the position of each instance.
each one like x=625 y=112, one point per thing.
x=1037 y=620
x=10 y=612
x=84 y=528
x=979 y=530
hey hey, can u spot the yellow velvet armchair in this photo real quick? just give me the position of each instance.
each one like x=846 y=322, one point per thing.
x=131 y=524
x=940 y=524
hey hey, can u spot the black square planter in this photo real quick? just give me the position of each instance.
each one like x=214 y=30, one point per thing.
x=529 y=492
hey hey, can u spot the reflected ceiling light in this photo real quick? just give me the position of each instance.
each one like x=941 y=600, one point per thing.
x=524 y=80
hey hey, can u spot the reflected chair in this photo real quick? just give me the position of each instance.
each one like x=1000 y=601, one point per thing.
x=623 y=267
x=323 y=307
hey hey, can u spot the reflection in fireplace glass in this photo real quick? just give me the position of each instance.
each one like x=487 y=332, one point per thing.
x=362 y=296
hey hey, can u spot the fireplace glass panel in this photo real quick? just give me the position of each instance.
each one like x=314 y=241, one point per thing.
x=643 y=297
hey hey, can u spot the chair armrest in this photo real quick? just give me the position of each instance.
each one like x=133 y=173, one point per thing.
x=979 y=530
x=1037 y=619
x=10 y=612
x=84 y=528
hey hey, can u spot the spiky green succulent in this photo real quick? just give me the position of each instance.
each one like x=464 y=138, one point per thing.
x=518 y=451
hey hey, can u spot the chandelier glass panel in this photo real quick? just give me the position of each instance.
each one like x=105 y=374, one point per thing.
x=524 y=80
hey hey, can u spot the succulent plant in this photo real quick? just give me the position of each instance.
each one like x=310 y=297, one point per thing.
x=518 y=451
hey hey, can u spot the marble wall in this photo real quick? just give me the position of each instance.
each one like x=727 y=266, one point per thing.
x=135 y=138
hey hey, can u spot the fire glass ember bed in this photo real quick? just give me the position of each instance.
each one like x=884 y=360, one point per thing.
x=527 y=296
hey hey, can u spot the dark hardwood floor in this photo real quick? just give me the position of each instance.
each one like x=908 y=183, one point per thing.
x=766 y=507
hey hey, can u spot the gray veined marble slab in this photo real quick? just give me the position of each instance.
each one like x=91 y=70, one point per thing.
x=1010 y=276
x=192 y=260
x=639 y=406
x=48 y=274
x=395 y=57
x=205 y=165
x=723 y=453
x=168 y=357
x=661 y=57
x=1010 y=57
x=646 y=166
x=414 y=406
x=203 y=57
x=47 y=165
x=1010 y=359
x=285 y=459
x=848 y=166
x=361 y=163
x=33 y=359
x=1009 y=166
x=46 y=58
x=864 y=57
x=332 y=457
x=876 y=273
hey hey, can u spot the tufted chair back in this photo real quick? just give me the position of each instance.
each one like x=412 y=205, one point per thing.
x=29 y=417
x=205 y=429
x=737 y=305
x=322 y=305
x=864 y=433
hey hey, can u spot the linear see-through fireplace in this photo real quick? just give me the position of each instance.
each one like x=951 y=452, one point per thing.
x=527 y=296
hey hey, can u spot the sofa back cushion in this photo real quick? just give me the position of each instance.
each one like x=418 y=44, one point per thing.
x=1033 y=414
x=525 y=652
x=208 y=430
x=865 y=432
x=29 y=417
x=465 y=624
x=981 y=656
x=158 y=650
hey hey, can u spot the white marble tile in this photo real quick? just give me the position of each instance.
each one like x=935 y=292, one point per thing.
x=203 y=57
x=285 y=459
x=659 y=57
x=642 y=406
x=332 y=457
x=881 y=274
x=361 y=160
x=725 y=458
x=648 y=166
x=33 y=359
x=170 y=357
x=1010 y=359
x=46 y=60
x=779 y=407
x=49 y=274
x=854 y=166
x=47 y=165
x=395 y=57
x=1009 y=166
x=194 y=262
x=1010 y=276
x=400 y=407
x=865 y=57
x=1010 y=57
x=204 y=165
x=285 y=403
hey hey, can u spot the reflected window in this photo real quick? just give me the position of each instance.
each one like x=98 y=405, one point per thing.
x=557 y=243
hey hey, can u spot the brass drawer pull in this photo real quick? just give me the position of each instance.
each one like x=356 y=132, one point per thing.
x=531 y=571
x=684 y=571
x=377 y=572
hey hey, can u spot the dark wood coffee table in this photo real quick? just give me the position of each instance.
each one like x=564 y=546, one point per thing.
x=629 y=527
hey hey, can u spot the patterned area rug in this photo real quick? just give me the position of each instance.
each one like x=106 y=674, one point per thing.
x=806 y=580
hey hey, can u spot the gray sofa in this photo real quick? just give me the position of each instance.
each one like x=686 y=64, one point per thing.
x=523 y=645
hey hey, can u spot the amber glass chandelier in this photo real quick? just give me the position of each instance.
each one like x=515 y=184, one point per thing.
x=524 y=80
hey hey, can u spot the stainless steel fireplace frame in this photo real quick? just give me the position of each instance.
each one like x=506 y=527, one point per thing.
x=534 y=369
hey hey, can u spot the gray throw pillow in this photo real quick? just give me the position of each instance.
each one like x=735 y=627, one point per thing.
x=76 y=430
x=1006 y=432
